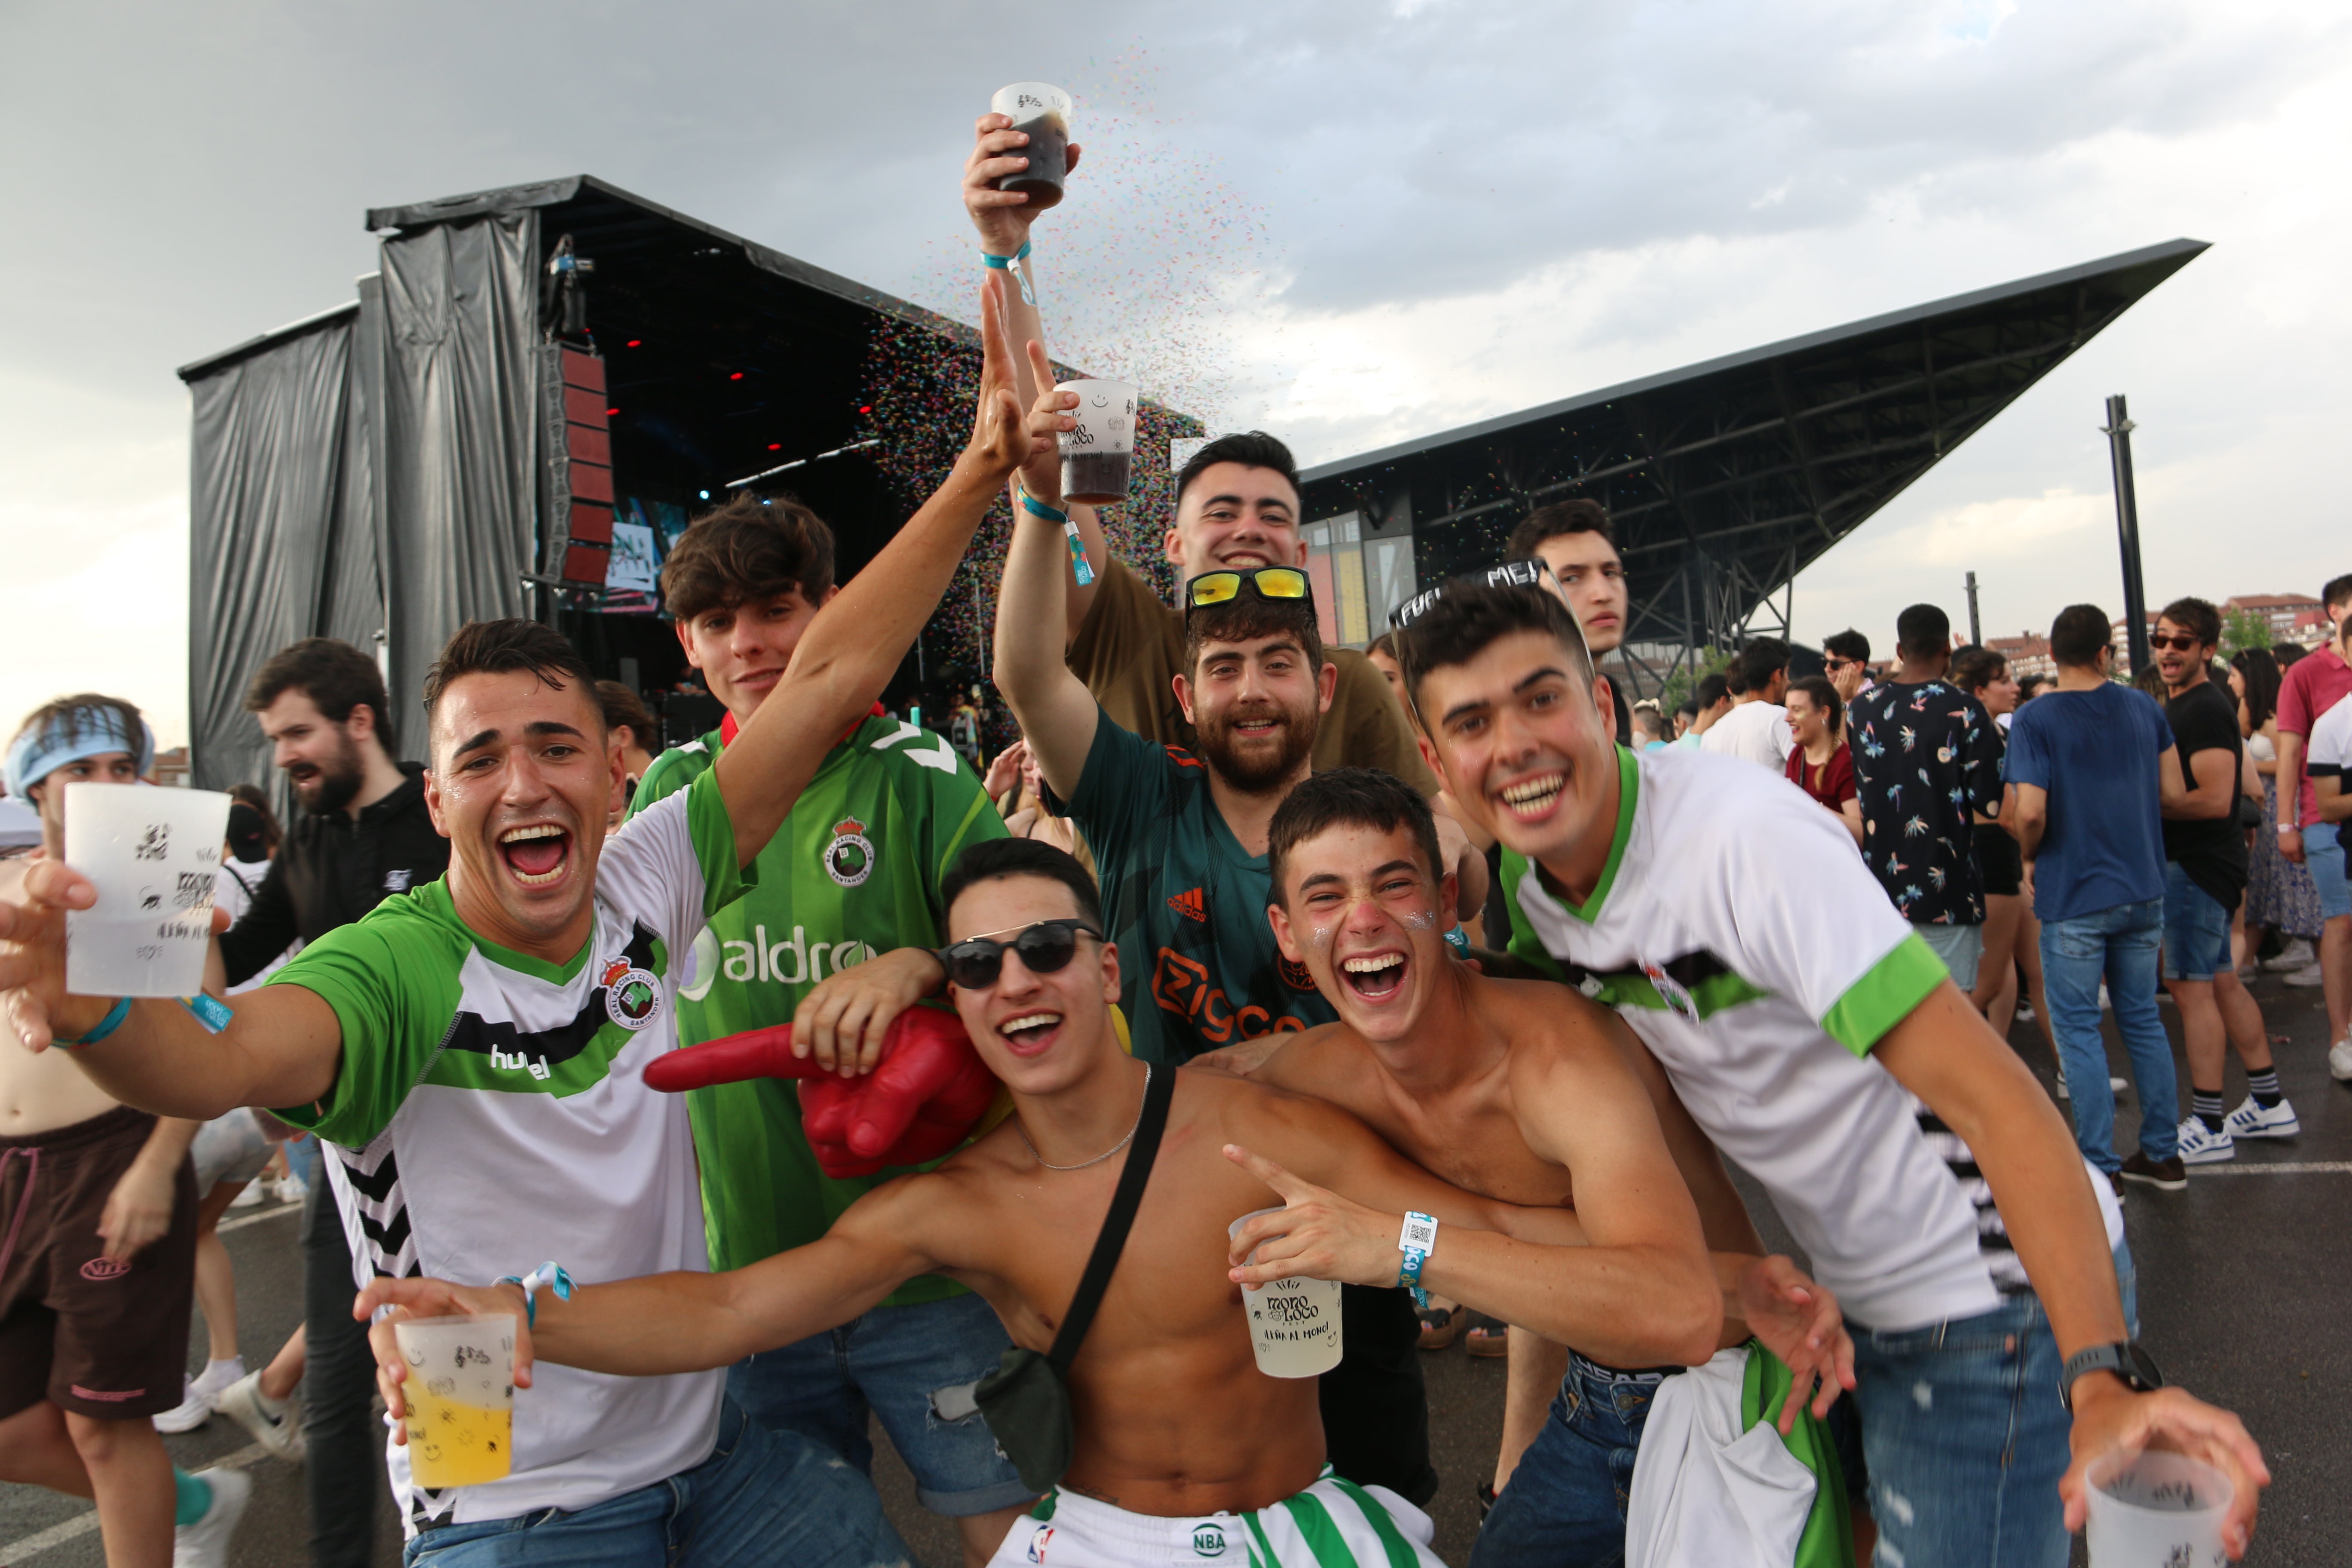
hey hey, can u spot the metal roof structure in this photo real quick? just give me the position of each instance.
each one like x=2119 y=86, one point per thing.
x=1726 y=478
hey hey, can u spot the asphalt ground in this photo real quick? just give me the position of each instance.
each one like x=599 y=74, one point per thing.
x=2238 y=1278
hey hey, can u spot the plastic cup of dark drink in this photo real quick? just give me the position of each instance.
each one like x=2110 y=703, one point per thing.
x=1098 y=456
x=1042 y=112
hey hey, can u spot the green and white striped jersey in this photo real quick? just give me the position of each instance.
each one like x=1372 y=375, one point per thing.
x=490 y=1114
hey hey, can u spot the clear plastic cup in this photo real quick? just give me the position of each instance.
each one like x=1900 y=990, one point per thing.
x=1098 y=456
x=461 y=1397
x=153 y=855
x=2157 y=1510
x=1043 y=111
x=1293 y=1323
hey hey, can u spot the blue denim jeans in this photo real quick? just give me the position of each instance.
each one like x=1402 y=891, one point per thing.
x=763 y=1497
x=1967 y=1437
x=2121 y=944
x=1565 y=1505
x=889 y=1360
x=2196 y=929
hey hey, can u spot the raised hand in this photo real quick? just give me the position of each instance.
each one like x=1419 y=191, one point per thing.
x=1000 y=441
x=1002 y=218
x=431 y=1298
x=1800 y=1321
x=1316 y=1235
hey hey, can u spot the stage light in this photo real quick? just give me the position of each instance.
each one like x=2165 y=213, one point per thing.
x=609 y=413
x=776 y=445
x=705 y=495
x=736 y=376
x=867 y=409
x=635 y=343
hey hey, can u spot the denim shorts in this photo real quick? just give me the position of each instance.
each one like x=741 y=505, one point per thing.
x=2325 y=860
x=1565 y=1504
x=2196 y=929
x=1961 y=947
x=888 y=1362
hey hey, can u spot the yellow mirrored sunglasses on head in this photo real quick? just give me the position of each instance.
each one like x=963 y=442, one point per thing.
x=1276 y=585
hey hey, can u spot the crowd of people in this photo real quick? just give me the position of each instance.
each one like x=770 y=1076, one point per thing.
x=1441 y=971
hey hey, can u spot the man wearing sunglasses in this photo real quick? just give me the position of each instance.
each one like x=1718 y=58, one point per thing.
x=852 y=873
x=1182 y=1450
x=1180 y=838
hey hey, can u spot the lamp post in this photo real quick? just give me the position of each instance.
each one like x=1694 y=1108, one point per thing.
x=2118 y=429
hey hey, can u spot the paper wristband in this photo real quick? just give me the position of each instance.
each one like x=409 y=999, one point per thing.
x=209 y=1010
x=1416 y=1240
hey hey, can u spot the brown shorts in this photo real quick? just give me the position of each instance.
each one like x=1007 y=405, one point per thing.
x=90 y=1334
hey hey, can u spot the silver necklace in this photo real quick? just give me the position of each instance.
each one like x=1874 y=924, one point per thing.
x=1023 y=1133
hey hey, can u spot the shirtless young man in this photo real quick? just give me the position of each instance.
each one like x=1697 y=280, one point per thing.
x=1183 y=1446
x=1487 y=1083
x=98 y=1235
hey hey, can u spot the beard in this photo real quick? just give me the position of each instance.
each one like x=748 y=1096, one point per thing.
x=331 y=787
x=1254 y=766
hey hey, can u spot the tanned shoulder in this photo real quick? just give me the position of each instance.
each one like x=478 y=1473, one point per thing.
x=1561 y=1039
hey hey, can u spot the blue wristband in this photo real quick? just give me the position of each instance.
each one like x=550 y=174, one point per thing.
x=1416 y=1242
x=209 y=1010
x=548 y=1274
x=1001 y=262
x=1036 y=508
x=105 y=1025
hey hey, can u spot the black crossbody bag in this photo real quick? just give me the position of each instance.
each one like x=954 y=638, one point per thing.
x=1026 y=1400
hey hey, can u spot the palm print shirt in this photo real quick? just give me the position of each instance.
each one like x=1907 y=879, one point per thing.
x=1925 y=756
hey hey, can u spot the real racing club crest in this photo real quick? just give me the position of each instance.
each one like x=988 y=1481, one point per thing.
x=849 y=858
x=632 y=995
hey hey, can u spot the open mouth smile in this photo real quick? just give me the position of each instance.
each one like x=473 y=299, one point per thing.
x=1376 y=977
x=1030 y=1033
x=1530 y=799
x=538 y=854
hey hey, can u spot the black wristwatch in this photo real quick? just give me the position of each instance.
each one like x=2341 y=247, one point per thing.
x=2126 y=1360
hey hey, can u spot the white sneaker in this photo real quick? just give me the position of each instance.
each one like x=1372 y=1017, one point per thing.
x=275 y=1424
x=2106 y=1003
x=2024 y=1014
x=2063 y=1094
x=292 y=1189
x=2250 y=1120
x=2202 y=1146
x=205 y=1544
x=2296 y=954
x=2118 y=1085
x=2306 y=977
x=250 y=1194
x=201 y=1391
x=2339 y=1060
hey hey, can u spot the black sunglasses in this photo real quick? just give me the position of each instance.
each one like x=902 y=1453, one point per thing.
x=976 y=961
x=2183 y=643
x=1510 y=575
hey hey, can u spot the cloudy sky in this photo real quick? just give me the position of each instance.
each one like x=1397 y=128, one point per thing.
x=1352 y=222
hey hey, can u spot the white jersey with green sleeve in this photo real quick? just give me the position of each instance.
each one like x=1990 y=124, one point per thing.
x=490 y=1114
x=1734 y=930
x=854 y=871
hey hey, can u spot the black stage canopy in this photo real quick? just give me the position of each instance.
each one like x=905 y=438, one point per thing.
x=1726 y=480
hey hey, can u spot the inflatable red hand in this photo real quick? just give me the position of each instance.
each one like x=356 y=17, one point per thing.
x=923 y=1098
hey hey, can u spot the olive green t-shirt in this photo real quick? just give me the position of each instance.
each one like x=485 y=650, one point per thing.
x=1131 y=645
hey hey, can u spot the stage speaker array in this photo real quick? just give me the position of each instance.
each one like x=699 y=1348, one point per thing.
x=579 y=439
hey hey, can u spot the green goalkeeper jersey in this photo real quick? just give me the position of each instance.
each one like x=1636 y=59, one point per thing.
x=854 y=870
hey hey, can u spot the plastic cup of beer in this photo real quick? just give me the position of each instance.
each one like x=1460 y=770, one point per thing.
x=1043 y=113
x=2157 y=1510
x=1098 y=456
x=461 y=1397
x=1293 y=1323
x=152 y=854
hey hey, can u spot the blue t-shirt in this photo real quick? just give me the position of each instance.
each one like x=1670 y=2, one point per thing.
x=2096 y=752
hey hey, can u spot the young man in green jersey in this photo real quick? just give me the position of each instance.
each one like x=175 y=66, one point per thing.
x=1181 y=1451
x=852 y=873
x=1822 y=1047
x=473 y=1052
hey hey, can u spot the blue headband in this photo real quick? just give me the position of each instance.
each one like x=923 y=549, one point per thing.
x=82 y=732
